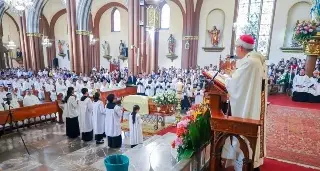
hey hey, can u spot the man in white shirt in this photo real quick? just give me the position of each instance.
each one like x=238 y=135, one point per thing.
x=26 y=85
x=30 y=99
x=300 y=87
x=39 y=87
x=61 y=88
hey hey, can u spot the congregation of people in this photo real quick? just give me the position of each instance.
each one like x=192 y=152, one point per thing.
x=290 y=74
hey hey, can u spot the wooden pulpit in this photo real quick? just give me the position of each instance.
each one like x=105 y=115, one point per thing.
x=224 y=126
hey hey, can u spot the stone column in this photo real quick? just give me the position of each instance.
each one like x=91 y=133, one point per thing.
x=71 y=15
x=152 y=35
x=143 y=40
x=131 y=36
x=191 y=33
x=34 y=45
x=2 y=60
x=24 y=43
x=137 y=64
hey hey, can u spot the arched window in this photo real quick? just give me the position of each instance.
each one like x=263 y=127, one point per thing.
x=165 y=17
x=115 y=20
x=255 y=17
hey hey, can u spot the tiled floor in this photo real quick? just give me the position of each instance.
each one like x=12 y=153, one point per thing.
x=51 y=150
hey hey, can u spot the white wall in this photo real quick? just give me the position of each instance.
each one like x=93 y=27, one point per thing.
x=61 y=33
x=279 y=28
x=9 y=28
x=113 y=37
x=176 y=29
x=206 y=58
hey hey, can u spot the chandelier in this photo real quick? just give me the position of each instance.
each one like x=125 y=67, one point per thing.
x=18 y=6
x=46 y=41
x=11 y=45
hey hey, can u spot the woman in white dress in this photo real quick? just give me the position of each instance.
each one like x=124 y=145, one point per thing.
x=71 y=113
x=135 y=126
x=98 y=119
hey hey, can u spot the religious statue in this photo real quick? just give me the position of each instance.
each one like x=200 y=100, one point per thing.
x=214 y=35
x=171 y=44
x=106 y=50
x=60 y=48
x=122 y=49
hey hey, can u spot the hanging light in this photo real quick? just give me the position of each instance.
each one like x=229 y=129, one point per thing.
x=11 y=45
x=19 y=6
x=46 y=42
x=93 y=40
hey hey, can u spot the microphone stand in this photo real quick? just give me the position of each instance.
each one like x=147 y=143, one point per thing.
x=10 y=116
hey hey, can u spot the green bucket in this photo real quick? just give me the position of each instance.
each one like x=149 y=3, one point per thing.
x=117 y=163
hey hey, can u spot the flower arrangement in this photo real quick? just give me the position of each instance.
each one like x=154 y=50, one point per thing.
x=193 y=131
x=167 y=98
x=305 y=30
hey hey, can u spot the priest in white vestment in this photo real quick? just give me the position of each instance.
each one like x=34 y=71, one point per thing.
x=61 y=88
x=245 y=88
x=105 y=86
x=99 y=113
x=30 y=99
x=85 y=116
x=113 y=117
x=300 y=87
x=13 y=102
x=135 y=127
x=314 y=88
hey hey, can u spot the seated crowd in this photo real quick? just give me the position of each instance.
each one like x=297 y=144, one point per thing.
x=290 y=75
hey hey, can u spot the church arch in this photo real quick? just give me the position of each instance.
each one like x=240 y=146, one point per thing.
x=216 y=17
x=295 y=14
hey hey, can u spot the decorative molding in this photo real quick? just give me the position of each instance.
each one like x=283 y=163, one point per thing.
x=83 y=32
x=34 y=35
x=291 y=49
x=172 y=56
x=190 y=38
x=213 y=49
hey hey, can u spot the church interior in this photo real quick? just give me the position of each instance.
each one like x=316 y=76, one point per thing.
x=158 y=74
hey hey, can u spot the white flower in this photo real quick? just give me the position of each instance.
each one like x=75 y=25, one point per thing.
x=310 y=30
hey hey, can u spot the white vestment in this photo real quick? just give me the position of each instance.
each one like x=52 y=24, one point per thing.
x=98 y=119
x=198 y=96
x=61 y=89
x=104 y=88
x=136 y=136
x=244 y=90
x=301 y=83
x=112 y=123
x=85 y=115
x=70 y=109
x=30 y=100
x=140 y=86
x=314 y=87
x=149 y=90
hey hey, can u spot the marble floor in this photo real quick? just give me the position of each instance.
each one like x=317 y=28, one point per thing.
x=51 y=150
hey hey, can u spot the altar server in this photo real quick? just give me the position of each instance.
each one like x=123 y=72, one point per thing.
x=140 y=87
x=135 y=127
x=30 y=99
x=98 y=119
x=105 y=86
x=198 y=94
x=70 y=111
x=85 y=116
x=314 y=88
x=149 y=88
x=300 y=87
x=245 y=88
x=112 y=123
x=61 y=88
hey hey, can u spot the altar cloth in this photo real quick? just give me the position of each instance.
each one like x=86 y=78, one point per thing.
x=129 y=101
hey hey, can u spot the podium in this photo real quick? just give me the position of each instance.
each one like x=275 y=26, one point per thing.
x=224 y=126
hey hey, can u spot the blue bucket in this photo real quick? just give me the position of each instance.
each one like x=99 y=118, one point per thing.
x=117 y=163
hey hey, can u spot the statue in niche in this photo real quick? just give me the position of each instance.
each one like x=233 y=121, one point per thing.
x=171 y=44
x=122 y=49
x=214 y=36
x=60 y=48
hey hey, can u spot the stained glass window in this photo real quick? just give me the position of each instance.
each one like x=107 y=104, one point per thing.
x=255 y=17
x=165 y=16
x=116 y=20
